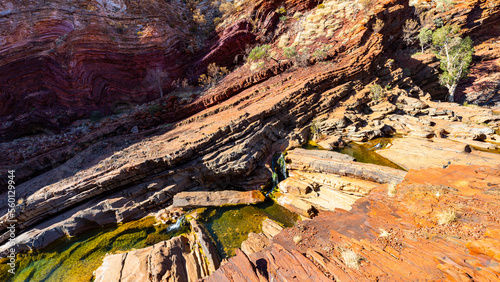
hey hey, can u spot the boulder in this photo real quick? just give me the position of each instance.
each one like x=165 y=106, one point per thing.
x=270 y=228
x=331 y=142
x=207 y=245
x=215 y=199
x=255 y=243
x=340 y=164
x=417 y=153
x=258 y=241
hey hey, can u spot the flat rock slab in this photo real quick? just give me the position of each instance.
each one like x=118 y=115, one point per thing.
x=417 y=153
x=340 y=164
x=218 y=198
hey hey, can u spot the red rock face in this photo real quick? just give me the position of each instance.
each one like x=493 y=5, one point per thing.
x=60 y=62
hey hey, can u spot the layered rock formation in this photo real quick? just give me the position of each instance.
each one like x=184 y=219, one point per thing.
x=325 y=180
x=441 y=223
x=62 y=60
x=182 y=258
x=135 y=164
x=121 y=178
x=188 y=200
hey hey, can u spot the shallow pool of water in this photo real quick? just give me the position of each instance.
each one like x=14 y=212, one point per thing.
x=365 y=153
x=75 y=259
x=229 y=226
x=311 y=145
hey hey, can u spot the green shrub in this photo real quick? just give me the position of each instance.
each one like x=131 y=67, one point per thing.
x=455 y=54
x=301 y=58
x=217 y=21
x=316 y=131
x=259 y=52
x=439 y=22
x=425 y=38
x=410 y=29
x=153 y=109
x=377 y=91
x=281 y=10
x=321 y=6
x=378 y=25
x=320 y=54
x=227 y=8
x=290 y=52
x=213 y=75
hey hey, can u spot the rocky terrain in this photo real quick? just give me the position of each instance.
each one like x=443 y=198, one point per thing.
x=77 y=170
x=439 y=223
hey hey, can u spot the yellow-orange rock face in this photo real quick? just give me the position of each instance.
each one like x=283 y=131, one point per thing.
x=402 y=237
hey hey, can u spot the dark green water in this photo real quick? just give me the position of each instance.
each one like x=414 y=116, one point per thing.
x=75 y=259
x=229 y=226
x=311 y=145
x=365 y=153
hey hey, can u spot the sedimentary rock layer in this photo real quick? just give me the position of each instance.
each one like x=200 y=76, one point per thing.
x=251 y=117
x=440 y=223
x=336 y=163
x=178 y=259
x=214 y=199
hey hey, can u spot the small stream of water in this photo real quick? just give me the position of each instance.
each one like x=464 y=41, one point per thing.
x=278 y=166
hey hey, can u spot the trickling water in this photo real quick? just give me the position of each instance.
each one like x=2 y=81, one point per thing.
x=176 y=226
x=282 y=165
x=278 y=166
x=275 y=179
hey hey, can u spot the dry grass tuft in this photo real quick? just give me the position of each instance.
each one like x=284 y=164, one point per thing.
x=446 y=217
x=384 y=233
x=391 y=190
x=350 y=258
x=297 y=239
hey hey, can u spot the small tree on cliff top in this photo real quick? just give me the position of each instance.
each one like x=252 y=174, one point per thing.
x=455 y=54
x=409 y=30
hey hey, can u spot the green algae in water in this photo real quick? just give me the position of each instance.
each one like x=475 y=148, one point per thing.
x=364 y=153
x=229 y=226
x=75 y=259
x=311 y=145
